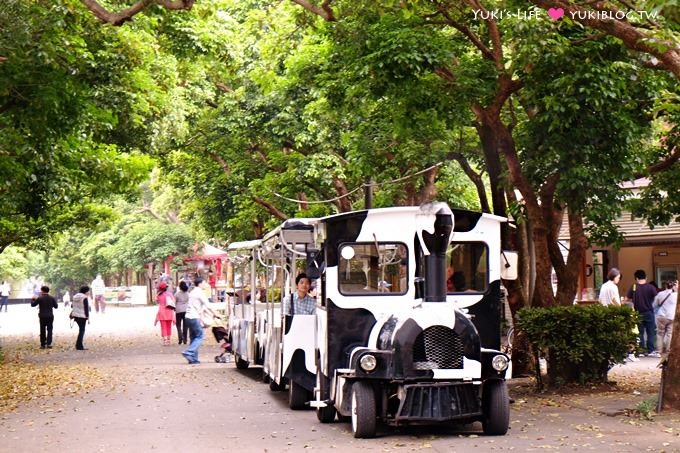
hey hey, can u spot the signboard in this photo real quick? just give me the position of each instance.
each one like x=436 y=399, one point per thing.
x=126 y=295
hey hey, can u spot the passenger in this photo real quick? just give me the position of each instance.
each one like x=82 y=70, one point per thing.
x=449 y=279
x=458 y=282
x=303 y=303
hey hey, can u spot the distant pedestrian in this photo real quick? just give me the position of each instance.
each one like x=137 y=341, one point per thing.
x=4 y=294
x=181 y=303
x=197 y=307
x=81 y=314
x=66 y=298
x=98 y=290
x=642 y=294
x=665 y=303
x=609 y=292
x=46 y=303
x=165 y=315
x=37 y=284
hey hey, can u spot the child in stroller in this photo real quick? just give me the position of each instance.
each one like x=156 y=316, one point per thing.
x=222 y=337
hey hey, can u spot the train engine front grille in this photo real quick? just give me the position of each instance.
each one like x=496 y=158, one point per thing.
x=437 y=347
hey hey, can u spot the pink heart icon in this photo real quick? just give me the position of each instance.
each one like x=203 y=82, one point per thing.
x=555 y=13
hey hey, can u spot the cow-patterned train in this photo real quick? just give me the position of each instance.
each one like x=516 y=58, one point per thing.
x=401 y=326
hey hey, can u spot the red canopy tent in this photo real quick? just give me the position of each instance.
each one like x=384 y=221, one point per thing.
x=208 y=255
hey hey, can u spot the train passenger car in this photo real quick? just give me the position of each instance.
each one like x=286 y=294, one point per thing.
x=244 y=306
x=396 y=341
x=290 y=340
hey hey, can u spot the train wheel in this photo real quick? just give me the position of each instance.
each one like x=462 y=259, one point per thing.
x=363 y=410
x=495 y=408
x=324 y=414
x=275 y=387
x=297 y=396
x=240 y=363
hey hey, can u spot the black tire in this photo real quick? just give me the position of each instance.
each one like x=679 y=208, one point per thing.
x=363 y=410
x=217 y=359
x=240 y=363
x=324 y=414
x=274 y=387
x=297 y=396
x=265 y=377
x=495 y=408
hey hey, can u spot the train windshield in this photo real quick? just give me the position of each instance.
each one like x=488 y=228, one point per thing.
x=467 y=267
x=373 y=268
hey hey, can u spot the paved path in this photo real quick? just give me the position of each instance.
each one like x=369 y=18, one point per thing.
x=144 y=397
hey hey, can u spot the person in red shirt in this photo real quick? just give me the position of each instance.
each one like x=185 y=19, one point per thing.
x=165 y=315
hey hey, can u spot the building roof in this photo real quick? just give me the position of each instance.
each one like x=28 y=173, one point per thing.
x=636 y=231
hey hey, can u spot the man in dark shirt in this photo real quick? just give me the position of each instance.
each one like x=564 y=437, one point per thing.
x=46 y=303
x=642 y=294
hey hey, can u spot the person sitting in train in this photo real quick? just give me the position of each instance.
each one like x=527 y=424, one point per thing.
x=449 y=279
x=458 y=282
x=303 y=303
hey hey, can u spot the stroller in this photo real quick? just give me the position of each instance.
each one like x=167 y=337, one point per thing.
x=222 y=337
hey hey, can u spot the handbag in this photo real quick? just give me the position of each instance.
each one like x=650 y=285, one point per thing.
x=170 y=301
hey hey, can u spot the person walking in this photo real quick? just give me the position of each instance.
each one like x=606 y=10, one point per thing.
x=609 y=292
x=198 y=305
x=45 y=304
x=81 y=314
x=642 y=294
x=165 y=314
x=98 y=290
x=181 y=303
x=66 y=298
x=4 y=295
x=665 y=303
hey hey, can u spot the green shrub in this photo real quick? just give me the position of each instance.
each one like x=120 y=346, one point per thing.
x=580 y=343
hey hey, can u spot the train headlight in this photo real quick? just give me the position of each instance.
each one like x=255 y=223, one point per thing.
x=368 y=362
x=499 y=362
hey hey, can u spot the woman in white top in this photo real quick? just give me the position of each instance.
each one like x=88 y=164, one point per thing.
x=609 y=292
x=664 y=305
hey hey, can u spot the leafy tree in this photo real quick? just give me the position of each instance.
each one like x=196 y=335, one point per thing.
x=67 y=139
x=13 y=266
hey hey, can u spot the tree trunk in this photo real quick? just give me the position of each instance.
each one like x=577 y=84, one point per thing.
x=567 y=276
x=671 y=383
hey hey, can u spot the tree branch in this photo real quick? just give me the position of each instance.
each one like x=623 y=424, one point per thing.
x=665 y=164
x=475 y=177
x=270 y=208
x=633 y=37
x=324 y=11
x=119 y=18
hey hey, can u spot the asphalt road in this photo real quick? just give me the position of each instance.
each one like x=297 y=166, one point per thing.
x=147 y=398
